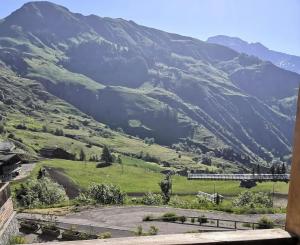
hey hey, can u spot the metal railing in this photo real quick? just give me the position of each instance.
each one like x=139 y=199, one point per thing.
x=262 y=177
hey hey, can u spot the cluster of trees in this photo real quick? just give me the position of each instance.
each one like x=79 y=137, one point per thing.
x=147 y=157
x=106 y=156
x=278 y=169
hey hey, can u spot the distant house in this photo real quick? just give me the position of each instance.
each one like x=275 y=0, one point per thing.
x=56 y=153
x=9 y=166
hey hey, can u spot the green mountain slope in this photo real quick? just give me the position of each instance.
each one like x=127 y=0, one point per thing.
x=193 y=95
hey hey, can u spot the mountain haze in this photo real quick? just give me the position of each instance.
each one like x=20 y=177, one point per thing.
x=150 y=83
x=282 y=60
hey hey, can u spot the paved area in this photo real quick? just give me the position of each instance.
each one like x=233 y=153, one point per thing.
x=129 y=218
x=25 y=170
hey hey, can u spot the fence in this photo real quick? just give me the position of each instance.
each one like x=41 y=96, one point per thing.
x=258 y=177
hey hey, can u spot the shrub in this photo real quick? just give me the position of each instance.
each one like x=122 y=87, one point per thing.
x=39 y=192
x=152 y=199
x=265 y=223
x=153 y=230
x=139 y=231
x=202 y=219
x=83 y=199
x=106 y=194
x=182 y=219
x=17 y=240
x=148 y=218
x=250 y=199
x=104 y=235
x=193 y=220
x=169 y=217
x=203 y=201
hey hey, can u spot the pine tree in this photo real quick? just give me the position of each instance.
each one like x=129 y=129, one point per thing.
x=166 y=188
x=106 y=155
x=283 y=169
x=82 y=156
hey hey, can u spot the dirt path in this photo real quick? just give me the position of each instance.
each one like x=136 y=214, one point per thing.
x=57 y=175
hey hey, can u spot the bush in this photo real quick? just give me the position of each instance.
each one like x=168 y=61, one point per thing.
x=202 y=219
x=153 y=230
x=83 y=199
x=265 y=223
x=40 y=192
x=203 y=201
x=148 y=218
x=17 y=240
x=106 y=194
x=152 y=199
x=104 y=235
x=169 y=217
x=139 y=231
x=250 y=199
x=182 y=219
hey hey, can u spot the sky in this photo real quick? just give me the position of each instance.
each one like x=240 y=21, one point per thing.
x=274 y=23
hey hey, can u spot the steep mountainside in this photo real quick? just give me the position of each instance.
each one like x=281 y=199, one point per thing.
x=183 y=92
x=282 y=60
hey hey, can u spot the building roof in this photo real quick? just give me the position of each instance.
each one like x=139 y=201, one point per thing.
x=6 y=146
x=6 y=158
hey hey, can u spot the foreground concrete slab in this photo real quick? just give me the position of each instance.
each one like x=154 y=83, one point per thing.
x=257 y=237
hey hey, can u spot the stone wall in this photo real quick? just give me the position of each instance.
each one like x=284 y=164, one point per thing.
x=6 y=211
x=9 y=229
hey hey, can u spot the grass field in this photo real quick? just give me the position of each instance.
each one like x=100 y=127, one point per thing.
x=139 y=176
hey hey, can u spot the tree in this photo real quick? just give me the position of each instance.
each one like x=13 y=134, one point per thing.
x=258 y=169
x=283 y=169
x=82 y=156
x=272 y=169
x=2 y=128
x=119 y=160
x=41 y=173
x=106 y=155
x=166 y=188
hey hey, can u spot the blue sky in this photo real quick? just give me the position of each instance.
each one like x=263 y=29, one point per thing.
x=275 y=23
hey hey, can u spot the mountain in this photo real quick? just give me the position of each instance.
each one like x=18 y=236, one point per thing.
x=282 y=60
x=185 y=93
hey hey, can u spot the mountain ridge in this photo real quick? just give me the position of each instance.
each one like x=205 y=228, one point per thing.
x=281 y=59
x=177 y=89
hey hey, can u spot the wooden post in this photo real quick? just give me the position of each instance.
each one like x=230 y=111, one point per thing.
x=235 y=225
x=293 y=207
